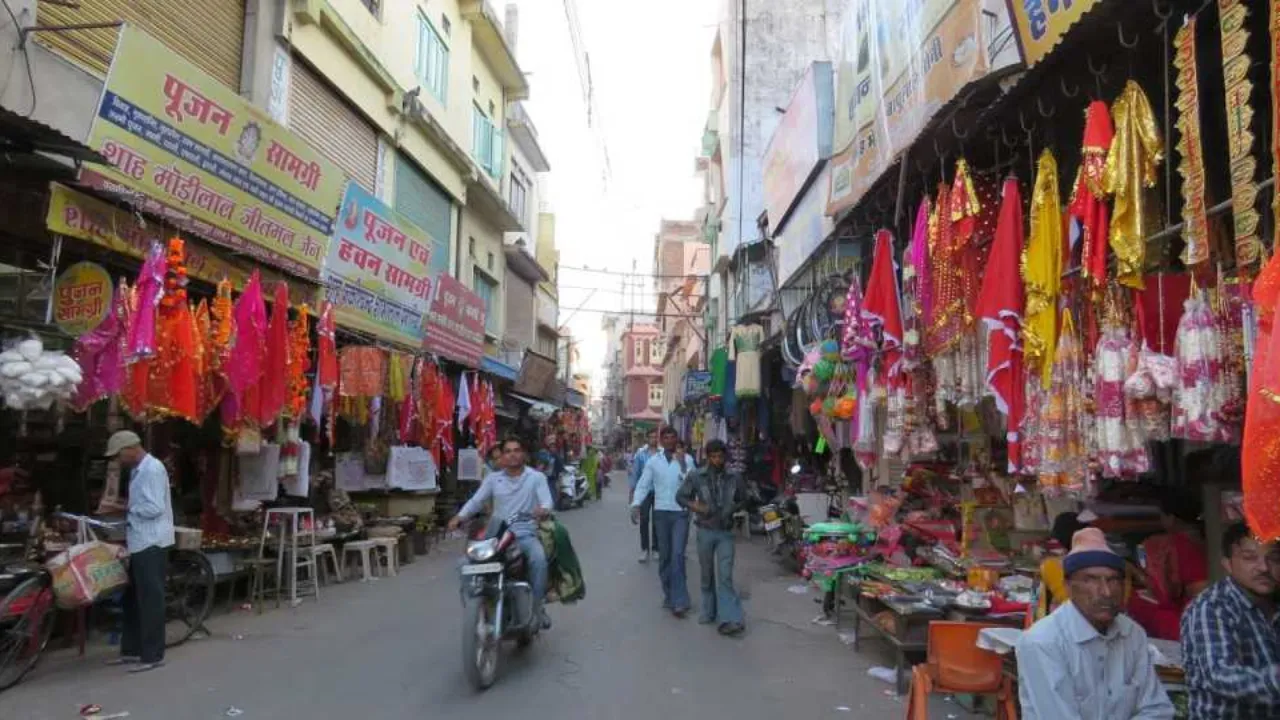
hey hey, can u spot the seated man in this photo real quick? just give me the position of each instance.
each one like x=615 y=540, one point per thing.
x=517 y=489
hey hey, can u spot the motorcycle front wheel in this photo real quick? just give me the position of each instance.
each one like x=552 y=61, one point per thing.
x=481 y=650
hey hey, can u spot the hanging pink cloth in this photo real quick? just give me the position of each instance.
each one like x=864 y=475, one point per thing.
x=149 y=288
x=99 y=353
x=275 y=371
x=245 y=364
x=999 y=308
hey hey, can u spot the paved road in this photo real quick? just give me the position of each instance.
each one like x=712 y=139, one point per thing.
x=390 y=651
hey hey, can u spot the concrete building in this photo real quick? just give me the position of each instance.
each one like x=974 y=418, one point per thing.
x=547 y=335
x=681 y=262
x=643 y=350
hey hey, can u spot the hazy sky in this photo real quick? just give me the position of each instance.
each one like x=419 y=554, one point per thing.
x=651 y=73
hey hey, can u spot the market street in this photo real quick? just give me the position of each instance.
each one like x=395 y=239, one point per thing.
x=391 y=651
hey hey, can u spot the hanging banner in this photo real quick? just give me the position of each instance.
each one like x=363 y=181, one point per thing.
x=900 y=62
x=377 y=274
x=189 y=149
x=697 y=384
x=455 y=323
x=1040 y=24
x=81 y=298
x=86 y=218
x=799 y=144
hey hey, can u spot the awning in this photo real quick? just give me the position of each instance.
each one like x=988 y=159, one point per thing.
x=574 y=398
x=538 y=409
x=22 y=134
x=497 y=368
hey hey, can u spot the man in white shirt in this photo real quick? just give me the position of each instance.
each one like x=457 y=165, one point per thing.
x=662 y=477
x=149 y=538
x=1087 y=661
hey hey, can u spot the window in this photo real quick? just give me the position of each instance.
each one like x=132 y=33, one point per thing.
x=432 y=63
x=657 y=351
x=655 y=395
x=488 y=291
x=486 y=143
x=639 y=351
x=518 y=195
x=373 y=6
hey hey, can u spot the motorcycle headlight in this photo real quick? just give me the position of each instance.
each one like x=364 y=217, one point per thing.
x=483 y=550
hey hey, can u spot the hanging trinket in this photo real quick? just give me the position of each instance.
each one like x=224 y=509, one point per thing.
x=1195 y=219
x=1233 y=16
x=1135 y=155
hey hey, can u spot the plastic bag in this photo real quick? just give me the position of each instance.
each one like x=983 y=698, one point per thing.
x=86 y=572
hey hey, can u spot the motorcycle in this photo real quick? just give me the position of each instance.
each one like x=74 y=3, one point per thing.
x=573 y=488
x=497 y=601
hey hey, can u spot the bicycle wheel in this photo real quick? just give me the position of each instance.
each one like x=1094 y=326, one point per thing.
x=188 y=595
x=26 y=623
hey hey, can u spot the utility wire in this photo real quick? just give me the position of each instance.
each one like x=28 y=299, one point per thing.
x=635 y=274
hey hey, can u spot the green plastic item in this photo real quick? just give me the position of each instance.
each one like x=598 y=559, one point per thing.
x=821 y=446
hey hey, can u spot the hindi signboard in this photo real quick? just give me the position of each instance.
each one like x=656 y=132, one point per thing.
x=455 y=323
x=81 y=298
x=900 y=62
x=1040 y=24
x=377 y=274
x=189 y=149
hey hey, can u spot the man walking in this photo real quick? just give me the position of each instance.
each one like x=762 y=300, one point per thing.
x=646 y=509
x=1086 y=659
x=662 y=477
x=149 y=537
x=714 y=494
x=1231 y=636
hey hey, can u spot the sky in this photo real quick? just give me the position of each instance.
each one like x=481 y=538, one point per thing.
x=651 y=75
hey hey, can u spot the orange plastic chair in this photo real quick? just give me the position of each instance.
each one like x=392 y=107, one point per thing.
x=957 y=665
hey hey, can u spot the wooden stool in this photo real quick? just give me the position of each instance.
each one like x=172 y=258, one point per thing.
x=387 y=550
x=257 y=568
x=319 y=553
x=365 y=552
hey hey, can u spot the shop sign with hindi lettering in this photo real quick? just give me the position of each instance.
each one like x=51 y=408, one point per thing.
x=455 y=324
x=900 y=62
x=86 y=218
x=81 y=298
x=378 y=274
x=1040 y=24
x=190 y=150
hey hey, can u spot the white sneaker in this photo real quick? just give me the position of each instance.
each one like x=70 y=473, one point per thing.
x=644 y=556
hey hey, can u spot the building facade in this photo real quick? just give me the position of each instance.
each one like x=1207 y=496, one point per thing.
x=643 y=349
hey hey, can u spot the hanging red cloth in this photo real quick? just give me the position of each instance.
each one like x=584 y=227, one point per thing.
x=1260 y=452
x=275 y=372
x=883 y=305
x=1088 y=199
x=172 y=385
x=999 y=307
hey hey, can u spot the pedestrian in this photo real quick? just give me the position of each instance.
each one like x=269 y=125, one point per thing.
x=646 y=508
x=714 y=494
x=591 y=466
x=149 y=537
x=663 y=475
x=1086 y=659
x=1231 y=636
x=493 y=462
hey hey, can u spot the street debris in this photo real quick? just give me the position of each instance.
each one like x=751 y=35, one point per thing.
x=883 y=674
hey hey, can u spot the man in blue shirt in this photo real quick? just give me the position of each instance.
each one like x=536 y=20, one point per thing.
x=646 y=509
x=662 y=477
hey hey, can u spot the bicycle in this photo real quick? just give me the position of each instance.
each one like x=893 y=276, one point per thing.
x=27 y=611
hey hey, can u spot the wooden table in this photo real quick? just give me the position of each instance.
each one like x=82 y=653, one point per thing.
x=911 y=627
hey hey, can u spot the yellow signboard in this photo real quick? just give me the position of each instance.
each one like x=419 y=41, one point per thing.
x=81 y=298
x=899 y=64
x=83 y=217
x=189 y=149
x=1040 y=24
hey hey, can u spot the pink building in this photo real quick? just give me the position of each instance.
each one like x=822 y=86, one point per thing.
x=642 y=351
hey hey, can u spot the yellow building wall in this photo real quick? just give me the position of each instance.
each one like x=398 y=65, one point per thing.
x=489 y=91
x=547 y=254
x=487 y=240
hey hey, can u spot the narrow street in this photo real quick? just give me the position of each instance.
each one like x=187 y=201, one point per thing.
x=391 y=652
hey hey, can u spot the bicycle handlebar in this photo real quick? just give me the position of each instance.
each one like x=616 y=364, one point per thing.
x=91 y=522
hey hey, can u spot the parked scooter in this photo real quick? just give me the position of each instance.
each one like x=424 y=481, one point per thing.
x=573 y=488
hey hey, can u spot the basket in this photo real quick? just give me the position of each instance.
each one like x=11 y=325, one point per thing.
x=187 y=538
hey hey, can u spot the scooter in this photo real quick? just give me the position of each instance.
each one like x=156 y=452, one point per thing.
x=573 y=488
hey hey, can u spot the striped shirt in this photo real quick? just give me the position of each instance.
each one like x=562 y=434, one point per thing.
x=150 y=508
x=1231 y=651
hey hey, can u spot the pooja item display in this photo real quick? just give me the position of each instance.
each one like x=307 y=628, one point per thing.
x=1239 y=115
x=32 y=378
x=1042 y=271
x=1135 y=154
x=1195 y=220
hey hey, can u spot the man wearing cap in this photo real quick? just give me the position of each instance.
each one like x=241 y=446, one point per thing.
x=1086 y=660
x=149 y=537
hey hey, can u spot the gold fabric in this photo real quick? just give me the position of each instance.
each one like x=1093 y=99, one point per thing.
x=1135 y=155
x=1042 y=270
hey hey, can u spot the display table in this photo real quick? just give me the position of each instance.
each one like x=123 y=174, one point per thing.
x=909 y=632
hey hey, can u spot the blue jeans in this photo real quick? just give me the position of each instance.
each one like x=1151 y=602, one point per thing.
x=672 y=537
x=715 y=558
x=531 y=546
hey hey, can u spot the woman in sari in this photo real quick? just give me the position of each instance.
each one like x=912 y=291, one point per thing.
x=1176 y=569
x=590 y=466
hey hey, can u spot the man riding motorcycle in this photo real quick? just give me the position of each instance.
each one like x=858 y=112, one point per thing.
x=517 y=490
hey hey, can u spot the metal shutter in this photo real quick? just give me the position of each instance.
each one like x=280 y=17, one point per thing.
x=319 y=116
x=208 y=33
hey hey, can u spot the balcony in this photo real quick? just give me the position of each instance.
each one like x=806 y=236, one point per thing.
x=526 y=136
x=488 y=38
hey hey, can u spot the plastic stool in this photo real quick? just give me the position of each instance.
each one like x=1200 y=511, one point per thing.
x=387 y=549
x=364 y=551
x=319 y=553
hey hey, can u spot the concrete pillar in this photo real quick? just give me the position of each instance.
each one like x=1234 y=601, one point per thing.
x=266 y=60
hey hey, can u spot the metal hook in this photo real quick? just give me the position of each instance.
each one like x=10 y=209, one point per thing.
x=959 y=135
x=1004 y=137
x=1120 y=36
x=1097 y=73
x=1022 y=120
x=1040 y=108
x=1062 y=82
x=1164 y=16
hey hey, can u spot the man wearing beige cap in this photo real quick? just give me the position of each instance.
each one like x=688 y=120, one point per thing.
x=1086 y=660
x=149 y=537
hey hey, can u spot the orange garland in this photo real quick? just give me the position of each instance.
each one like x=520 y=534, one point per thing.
x=299 y=362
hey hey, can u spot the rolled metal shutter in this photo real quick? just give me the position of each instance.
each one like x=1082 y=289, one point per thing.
x=321 y=117
x=208 y=33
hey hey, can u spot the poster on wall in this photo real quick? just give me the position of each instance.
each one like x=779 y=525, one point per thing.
x=899 y=63
x=377 y=274
x=187 y=148
x=81 y=298
x=455 y=323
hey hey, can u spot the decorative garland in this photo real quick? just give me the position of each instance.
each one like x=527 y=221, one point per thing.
x=1235 y=66
x=1195 y=219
